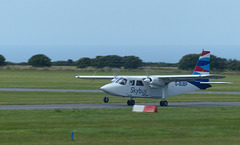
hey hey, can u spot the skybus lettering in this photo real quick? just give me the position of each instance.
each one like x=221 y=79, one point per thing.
x=138 y=91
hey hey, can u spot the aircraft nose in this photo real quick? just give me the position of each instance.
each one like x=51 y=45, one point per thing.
x=105 y=88
x=112 y=89
x=109 y=88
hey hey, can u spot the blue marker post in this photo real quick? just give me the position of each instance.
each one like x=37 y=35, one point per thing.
x=72 y=136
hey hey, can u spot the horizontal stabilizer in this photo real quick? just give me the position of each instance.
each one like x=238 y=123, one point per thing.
x=215 y=83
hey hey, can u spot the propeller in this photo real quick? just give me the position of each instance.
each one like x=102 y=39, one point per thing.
x=148 y=72
x=94 y=75
x=116 y=72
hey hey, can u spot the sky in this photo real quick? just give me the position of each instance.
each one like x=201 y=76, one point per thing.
x=154 y=30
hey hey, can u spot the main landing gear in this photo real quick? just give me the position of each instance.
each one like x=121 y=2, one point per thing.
x=163 y=103
x=131 y=102
x=164 y=95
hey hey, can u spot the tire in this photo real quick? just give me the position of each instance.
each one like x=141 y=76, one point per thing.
x=105 y=99
x=165 y=103
x=161 y=103
x=131 y=102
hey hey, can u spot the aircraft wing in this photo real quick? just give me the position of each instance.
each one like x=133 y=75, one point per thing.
x=172 y=78
x=95 y=77
x=169 y=78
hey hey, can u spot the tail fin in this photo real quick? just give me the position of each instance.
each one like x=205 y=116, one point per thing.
x=203 y=64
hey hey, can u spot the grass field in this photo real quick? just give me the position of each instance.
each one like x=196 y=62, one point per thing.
x=218 y=125
x=66 y=79
x=186 y=125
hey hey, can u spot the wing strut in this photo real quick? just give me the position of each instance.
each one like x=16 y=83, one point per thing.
x=164 y=95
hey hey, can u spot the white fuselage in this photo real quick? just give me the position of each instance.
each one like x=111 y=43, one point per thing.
x=136 y=87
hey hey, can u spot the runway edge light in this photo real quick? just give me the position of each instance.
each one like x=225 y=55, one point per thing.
x=72 y=136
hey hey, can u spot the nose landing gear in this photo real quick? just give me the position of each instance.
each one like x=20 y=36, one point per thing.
x=105 y=99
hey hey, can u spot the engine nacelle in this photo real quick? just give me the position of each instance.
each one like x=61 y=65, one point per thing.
x=156 y=82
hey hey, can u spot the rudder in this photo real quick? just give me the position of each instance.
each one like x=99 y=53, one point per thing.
x=203 y=64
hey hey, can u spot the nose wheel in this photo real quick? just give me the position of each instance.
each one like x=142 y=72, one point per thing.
x=131 y=102
x=105 y=99
x=163 y=103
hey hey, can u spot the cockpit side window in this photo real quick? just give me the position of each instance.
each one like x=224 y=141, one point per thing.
x=122 y=81
x=139 y=83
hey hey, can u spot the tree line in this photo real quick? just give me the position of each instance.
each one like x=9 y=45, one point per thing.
x=112 y=61
x=187 y=62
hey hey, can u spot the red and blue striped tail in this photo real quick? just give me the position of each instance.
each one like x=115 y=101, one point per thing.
x=202 y=67
x=203 y=64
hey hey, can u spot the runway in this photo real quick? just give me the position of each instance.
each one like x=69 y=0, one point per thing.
x=112 y=106
x=108 y=106
x=99 y=91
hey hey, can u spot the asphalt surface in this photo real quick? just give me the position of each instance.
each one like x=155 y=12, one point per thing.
x=112 y=106
x=109 y=106
x=100 y=91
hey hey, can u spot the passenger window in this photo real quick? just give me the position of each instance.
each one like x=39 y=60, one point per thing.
x=132 y=82
x=139 y=83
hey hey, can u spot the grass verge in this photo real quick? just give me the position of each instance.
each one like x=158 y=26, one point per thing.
x=66 y=79
x=190 y=125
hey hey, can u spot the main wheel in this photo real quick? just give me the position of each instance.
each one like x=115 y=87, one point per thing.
x=163 y=103
x=131 y=102
x=105 y=99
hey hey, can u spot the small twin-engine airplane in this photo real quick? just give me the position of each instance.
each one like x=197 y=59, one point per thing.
x=159 y=86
